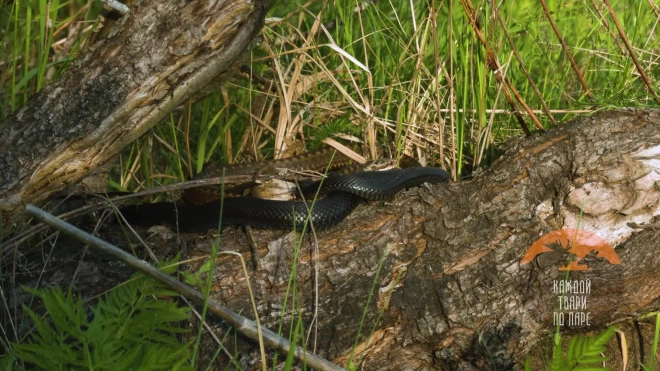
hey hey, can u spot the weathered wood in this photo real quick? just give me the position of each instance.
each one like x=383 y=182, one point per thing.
x=452 y=293
x=150 y=62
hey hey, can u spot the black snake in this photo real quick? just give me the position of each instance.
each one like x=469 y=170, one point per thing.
x=340 y=195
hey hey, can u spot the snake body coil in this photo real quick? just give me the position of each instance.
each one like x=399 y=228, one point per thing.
x=342 y=193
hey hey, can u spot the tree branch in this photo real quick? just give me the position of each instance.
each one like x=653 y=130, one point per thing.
x=150 y=62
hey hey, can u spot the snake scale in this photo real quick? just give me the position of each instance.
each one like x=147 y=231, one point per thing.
x=341 y=192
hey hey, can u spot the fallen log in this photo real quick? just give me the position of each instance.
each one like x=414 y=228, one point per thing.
x=438 y=273
x=144 y=66
x=465 y=275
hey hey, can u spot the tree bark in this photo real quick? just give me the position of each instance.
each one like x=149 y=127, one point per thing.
x=437 y=273
x=451 y=291
x=150 y=62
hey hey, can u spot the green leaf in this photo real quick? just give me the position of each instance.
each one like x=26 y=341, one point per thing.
x=558 y=363
x=602 y=339
x=7 y=363
x=288 y=364
x=591 y=359
x=33 y=72
x=572 y=349
x=129 y=328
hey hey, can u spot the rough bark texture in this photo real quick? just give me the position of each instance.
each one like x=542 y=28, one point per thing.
x=452 y=292
x=150 y=62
